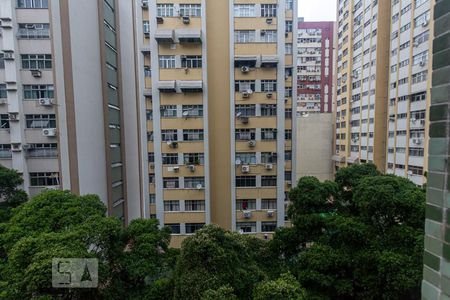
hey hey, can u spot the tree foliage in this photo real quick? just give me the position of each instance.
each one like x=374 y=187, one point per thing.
x=10 y=194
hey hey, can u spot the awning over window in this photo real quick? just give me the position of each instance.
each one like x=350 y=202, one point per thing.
x=164 y=36
x=245 y=61
x=338 y=158
x=189 y=35
x=269 y=61
x=352 y=159
x=166 y=86
x=190 y=86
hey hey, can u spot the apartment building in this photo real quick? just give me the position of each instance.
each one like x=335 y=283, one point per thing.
x=216 y=87
x=68 y=105
x=409 y=88
x=315 y=61
x=362 y=82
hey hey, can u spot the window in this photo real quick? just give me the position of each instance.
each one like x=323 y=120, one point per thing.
x=4 y=121
x=2 y=60
x=245 y=181
x=420 y=58
x=191 y=61
x=288 y=49
x=246 y=110
x=244 y=85
x=40 y=121
x=193 y=135
x=269 y=204
x=193 y=110
x=168 y=111
x=268 y=226
x=34 y=31
x=244 y=36
x=246 y=227
x=194 y=182
x=151 y=157
x=268 y=109
x=245 y=134
x=419 y=97
x=418 y=3
x=36 y=61
x=289 y=4
x=415 y=170
x=268 y=10
x=268 y=180
x=170 y=158
x=246 y=158
x=246 y=204
x=288 y=113
x=147 y=71
x=44 y=179
x=169 y=135
x=268 y=134
x=191 y=10
x=268 y=36
x=416 y=152
x=419 y=77
x=268 y=85
x=167 y=61
x=150 y=136
x=3 y=92
x=146 y=27
x=171 y=183
x=268 y=157
x=422 y=20
x=5 y=151
x=42 y=150
x=422 y=38
x=194 y=205
x=164 y=10
x=288 y=155
x=32 y=3
x=288 y=26
x=244 y=10
x=193 y=227
x=174 y=228
x=288 y=134
x=193 y=159
x=173 y=205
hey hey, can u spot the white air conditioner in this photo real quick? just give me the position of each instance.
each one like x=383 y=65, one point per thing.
x=270 y=213
x=245 y=69
x=159 y=20
x=417 y=141
x=244 y=120
x=252 y=143
x=50 y=132
x=36 y=73
x=416 y=44
x=172 y=144
x=8 y=55
x=269 y=95
x=3 y=101
x=269 y=166
x=289 y=183
x=199 y=186
x=45 y=102
x=13 y=116
x=152 y=165
x=269 y=21
x=176 y=169
x=247 y=214
x=245 y=169
x=425 y=23
x=191 y=168
x=245 y=95
x=144 y=4
x=423 y=63
x=186 y=20
x=16 y=147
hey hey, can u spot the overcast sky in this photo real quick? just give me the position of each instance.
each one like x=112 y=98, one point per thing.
x=317 y=10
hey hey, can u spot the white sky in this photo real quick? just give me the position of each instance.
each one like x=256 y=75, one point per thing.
x=317 y=10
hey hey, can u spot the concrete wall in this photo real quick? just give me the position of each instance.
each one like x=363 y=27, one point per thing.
x=314 y=148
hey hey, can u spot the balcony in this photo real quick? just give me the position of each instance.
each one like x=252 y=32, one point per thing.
x=166 y=86
x=189 y=36
x=269 y=61
x=193 y=86
x=245 y=61
x=165 y=36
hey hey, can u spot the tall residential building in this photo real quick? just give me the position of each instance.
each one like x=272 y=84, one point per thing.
x=409 y=90
x=315 y=67
x=217 y=87
x=362 y=82
x=68 y=99
x=436 y=271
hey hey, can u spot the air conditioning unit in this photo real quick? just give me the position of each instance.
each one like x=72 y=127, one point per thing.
x=289 y=183
x=269 y=166
x=245 y=69
x=152 y=165
x=27 y=147
x=270 y=213
x=172 y=144
x=199 y=186
x=413 y=121
x=425 y=23
x=252 y=143
x=269 y=21
x=159 y=20
x=8 y=55
x=186 y=20
x=416 y=44
x=245 y=169
x=423 y=63
x=269 y=95
x=36 y=73
x=245 y=95
x=144 y=4
x=244 y=120
x=15 y=147
x=45 y=102
x=191 y=168
x=247 y=214
x=3 y=101
x=417 y=141
x=13 y=116
x=176 y=169
x=50 y=132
